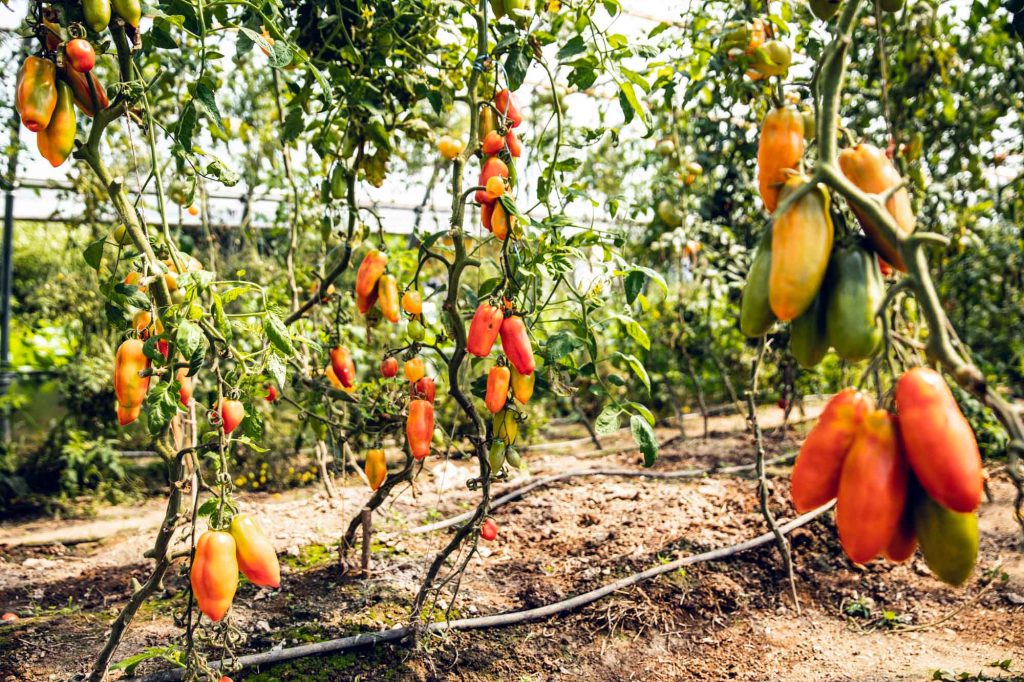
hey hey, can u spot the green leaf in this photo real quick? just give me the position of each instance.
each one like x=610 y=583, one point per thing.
x=644 y=412
x=635 y=282
x=132 y=295
x=644 y=436
x=93 y=254
x=637 y=367
x=190 y=340
x=161 y=406
x=160 y=35
x=488 y=287
x=294 y=124
x=635 y=331
x=277 y=369
x=187 y=126
x=205 y=100
x=275 y=330
x=575 y=46
x=516 y=65
x=324 y=85
x=560 y=344
x=627 y=93
x=208 y=507
x=608 y=421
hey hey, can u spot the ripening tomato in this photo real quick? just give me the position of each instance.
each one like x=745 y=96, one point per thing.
x=507 y=105
x=487 y=215
x=522 y=385
x=256 y=556
x=938 y=440
x=343 y=365
x=496 y=187
x=370 y=271
x=389 y=367
x=214 y=574
x=515 y=341
x=872 y=488
x=375 y=468
x=81 y=56
x=387 y=292
x=414 y=369
x=872 y=171
x=502 y=222
x=419 y=428
x=232 y=412
x=412 y=302
x=186 y=386
x=425 y=388
x=492 y=143
x=483 y=329
x=449 y=147
x=489 y=530
x=272 y=394
x=129 y=387
x=36 y=92
x=780 y=148
x=493 y=167
x=815 y=478
x=497 y=388
x=515 y=149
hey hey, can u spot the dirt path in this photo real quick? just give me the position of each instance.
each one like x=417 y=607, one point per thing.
x=731 y=620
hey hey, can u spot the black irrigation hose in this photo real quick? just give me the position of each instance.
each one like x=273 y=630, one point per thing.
x=500 y=619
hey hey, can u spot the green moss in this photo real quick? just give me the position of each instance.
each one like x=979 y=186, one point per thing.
x=306 y=633
x=313 y=668
x=310 y=556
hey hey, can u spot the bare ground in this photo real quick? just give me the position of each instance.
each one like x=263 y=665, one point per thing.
x=728 y=620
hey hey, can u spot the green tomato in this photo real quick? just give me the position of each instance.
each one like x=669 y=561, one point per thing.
x=416 y=331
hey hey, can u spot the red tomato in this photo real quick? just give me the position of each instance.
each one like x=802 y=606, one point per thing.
x=81 y=56
x=489 y=530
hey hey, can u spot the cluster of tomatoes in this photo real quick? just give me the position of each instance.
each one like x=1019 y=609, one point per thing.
x=220 y=555
x=902 y=480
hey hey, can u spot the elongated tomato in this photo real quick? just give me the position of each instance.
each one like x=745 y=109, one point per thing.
x=938 y=440
x=214 y=573
x=815 y=478
x=483 y=330
x=419 y=428
x=801 y=244
x=256 y=556
x=871 y=170
x=780 y=148
x=872 y=489
x=497 y=389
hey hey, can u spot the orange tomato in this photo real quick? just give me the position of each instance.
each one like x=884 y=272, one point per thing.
x=214 y=575
x=255 y=554
x=871 y=171
x=780 y=148
x=497 y=389
x=872 y=489
x=815 y=478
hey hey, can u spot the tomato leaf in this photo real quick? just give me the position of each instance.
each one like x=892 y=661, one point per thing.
x=275 y=330
x=644 y=436
x=203 y=96
x=637 y=367
x=93 y=254
x=608 y=421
